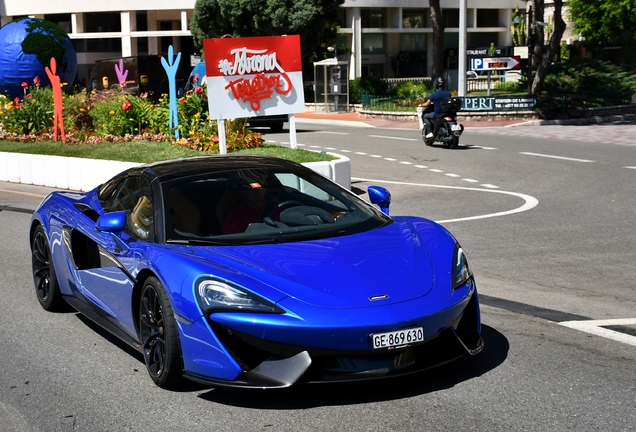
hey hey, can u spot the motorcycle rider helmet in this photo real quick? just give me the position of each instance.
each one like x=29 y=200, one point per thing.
x=440 y=83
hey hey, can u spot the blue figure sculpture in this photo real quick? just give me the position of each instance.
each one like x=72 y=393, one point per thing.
x=171 y=70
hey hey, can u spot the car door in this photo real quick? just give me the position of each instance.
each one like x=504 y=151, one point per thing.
x=106 y=263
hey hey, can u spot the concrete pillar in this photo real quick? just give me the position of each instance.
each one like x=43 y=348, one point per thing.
x=126 y=50
x=153 y=42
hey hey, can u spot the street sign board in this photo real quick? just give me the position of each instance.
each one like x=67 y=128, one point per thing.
x=495 y=63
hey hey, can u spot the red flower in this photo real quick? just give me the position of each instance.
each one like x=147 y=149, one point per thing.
x=198 y=90
x=24 y=84
x=29 y=96
x=127 y=106
x=17 y=102
x=36 y=81
x=195 y=78
x=183 y=101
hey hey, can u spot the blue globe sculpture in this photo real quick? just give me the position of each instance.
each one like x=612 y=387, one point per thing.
x=26 y=47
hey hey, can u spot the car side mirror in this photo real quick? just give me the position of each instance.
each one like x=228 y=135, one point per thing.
x=113 y=222
x=380 y=197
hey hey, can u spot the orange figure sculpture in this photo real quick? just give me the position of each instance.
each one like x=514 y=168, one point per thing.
x=58 y=105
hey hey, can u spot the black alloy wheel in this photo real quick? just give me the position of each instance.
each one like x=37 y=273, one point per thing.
x=44 y=278
x=159 y=335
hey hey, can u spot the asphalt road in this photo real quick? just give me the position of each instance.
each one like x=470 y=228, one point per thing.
x=545 y=215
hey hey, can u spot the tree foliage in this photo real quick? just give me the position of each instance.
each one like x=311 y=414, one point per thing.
x=314 y=20
x=607 y=22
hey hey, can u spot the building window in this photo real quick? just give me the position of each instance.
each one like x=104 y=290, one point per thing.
x=413 y=18
x=62 y=20
x=415 y=42
x=373 y=43
x=102 y=22
x=487 y=18
x=372 y=18
x=450 y=18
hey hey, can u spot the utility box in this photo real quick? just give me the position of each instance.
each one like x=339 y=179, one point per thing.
x=331 y=85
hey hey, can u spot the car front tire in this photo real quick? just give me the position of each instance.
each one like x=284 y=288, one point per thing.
x=44 y=277
x=159 y=336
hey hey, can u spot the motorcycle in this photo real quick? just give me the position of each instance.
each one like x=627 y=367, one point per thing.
x=446 y=130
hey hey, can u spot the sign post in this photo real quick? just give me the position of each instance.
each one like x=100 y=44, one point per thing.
x=495 y=63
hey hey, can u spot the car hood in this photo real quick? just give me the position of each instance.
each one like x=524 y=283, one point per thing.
x=378 y=267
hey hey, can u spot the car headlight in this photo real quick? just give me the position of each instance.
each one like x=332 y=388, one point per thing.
x=217 y=296
x=461 y=270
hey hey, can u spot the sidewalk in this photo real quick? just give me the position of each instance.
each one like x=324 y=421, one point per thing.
x=354 y=119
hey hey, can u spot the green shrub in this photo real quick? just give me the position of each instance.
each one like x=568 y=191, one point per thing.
x=411 y=90
x=595 y=81
x=371 y=85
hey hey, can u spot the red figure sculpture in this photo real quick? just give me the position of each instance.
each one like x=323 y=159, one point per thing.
x=58 y=105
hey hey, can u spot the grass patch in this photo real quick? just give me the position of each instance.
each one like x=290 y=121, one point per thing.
x=146 y=151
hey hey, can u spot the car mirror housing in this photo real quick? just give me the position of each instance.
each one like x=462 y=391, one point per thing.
x=113 y=222
x=380 y=197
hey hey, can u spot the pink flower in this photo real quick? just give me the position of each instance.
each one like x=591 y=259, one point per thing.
x=36 y=81
x=17 y=102
x=24 y=84
x=123 y=84
x=195 y=79
x=127 y=106
x=29 y=96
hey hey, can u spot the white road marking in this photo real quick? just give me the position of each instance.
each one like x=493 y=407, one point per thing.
x=406 y=163
x=530 y=201
x=597 y=327
x=489 y=186
x=314 y=146
x=481 y=147
x=375 y=156
x=471 y=180
x=330 y=148
x=452 y=175
x=421 y=166
x=390 y=159
x=345 y=151
x=393 y=138
x=360 y=153
x=556 y=157
x=333 y=133
x=436 y=170
x=630 y=167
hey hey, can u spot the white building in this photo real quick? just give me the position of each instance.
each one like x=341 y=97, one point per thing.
x=388 y=38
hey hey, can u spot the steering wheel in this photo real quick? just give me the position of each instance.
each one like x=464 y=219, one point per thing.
x=287 y=203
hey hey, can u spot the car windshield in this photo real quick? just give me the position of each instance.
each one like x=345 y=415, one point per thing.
x=262 y=205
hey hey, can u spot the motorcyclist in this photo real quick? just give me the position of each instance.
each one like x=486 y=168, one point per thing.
x=435 y=99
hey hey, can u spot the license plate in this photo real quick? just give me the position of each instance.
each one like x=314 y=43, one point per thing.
x=397 y=338
x=456 y=127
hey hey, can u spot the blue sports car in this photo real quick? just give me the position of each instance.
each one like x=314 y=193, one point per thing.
x=253 y=271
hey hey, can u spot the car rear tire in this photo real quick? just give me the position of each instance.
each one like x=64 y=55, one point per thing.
x=276 y=127
x=159 y=337
x=44 y=277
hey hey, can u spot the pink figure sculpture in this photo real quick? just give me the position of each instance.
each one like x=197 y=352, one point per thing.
x=58 y=105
